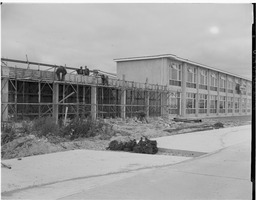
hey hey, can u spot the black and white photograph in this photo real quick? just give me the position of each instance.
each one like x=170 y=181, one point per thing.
x=128 y=100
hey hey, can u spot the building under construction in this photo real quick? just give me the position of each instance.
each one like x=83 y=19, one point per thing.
x=157 y=85
x=30 y=90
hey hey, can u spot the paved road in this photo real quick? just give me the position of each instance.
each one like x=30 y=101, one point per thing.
x=223 y=175
x=84 y=174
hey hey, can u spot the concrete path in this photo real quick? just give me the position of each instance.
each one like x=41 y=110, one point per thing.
x=58 y=175
x=224 y=175
x=206 y=141
x=63 y=166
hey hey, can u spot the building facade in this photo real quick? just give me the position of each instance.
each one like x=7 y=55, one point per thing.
x=197 y=90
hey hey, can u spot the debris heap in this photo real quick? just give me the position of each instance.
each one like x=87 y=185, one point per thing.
x=143 y=146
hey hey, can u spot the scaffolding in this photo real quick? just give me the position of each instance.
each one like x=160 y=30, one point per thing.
x=32 y=90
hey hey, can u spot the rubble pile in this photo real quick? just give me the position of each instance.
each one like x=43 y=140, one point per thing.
x=143 y=146
x=28 y=146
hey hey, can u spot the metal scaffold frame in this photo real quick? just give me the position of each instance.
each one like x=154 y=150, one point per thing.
x=31 y=93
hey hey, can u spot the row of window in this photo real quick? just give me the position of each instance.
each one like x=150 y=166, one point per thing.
x=228 y=84
x=224 y=103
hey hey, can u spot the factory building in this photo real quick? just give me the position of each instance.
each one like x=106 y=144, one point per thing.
x=195 y=90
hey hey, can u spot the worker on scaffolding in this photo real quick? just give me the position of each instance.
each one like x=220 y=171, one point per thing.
x=104 y=79
x=86 y=71
x=80 y=71
x=61 y=70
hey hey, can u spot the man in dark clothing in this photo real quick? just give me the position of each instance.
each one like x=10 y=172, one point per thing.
x=61 y=70
x=86 y=71
x=104 y=79
x=80 y=71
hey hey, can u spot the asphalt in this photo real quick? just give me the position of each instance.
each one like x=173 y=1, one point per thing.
x=60 y=168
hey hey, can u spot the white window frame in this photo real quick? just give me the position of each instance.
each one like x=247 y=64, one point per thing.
x=222 y=102
x=202 y=100
x=203 y=77
x=213 y=79
x=191 y=97
x=175 y=67
x=230 y=102
x=213 y=103
x=191 y=71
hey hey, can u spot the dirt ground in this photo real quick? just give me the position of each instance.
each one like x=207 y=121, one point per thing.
x=123 y=130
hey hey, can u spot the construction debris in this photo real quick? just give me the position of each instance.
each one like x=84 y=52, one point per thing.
x=143 y=146
x=187 y=120
x=218 y=125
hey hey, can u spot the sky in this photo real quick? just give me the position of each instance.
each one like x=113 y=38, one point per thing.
x=217 y=35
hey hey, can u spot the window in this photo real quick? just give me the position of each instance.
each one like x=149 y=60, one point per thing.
x=222 y=104
x=213 y=104
x=202 y=103
x=230 y=85
x=244 y=88
x=237 y=86
x=249 y=105
x=175 y=74
x=174 y=103
x=213 y=81
x=191 y=103
x=203 y=79
x=222 y=83
x=243 y=105
x=249 y=89
x=230 y=104
x=191 y=77
x=237 y=102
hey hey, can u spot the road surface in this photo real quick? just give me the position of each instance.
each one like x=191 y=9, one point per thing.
x=223 y=175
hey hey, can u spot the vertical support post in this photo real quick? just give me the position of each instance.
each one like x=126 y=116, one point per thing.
x=208 y=90
x=226 y=89
x=164 y=103
x=183 y=89
x=84 y=100
x=39 y=98
x=94 y=102
x=241 y=98
x=24 y=106
x=56 y=102
x=77 y=100
x=197 y=91
x=123 y=100
x=4 y=98
x=234 y=84
x=63 y=97
x=218 y=93
x=16 y=96
x=123 y=103
x=147 y=98
x=246 y=94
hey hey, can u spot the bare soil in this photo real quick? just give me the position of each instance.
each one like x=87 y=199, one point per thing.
x=120 y=130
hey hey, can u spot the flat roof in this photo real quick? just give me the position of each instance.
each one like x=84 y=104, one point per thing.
x=172 y=56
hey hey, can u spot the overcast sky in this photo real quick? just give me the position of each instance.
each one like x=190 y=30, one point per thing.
x=217 y=35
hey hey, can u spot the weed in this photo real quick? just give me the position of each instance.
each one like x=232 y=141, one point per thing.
x=45 y=126
x=8 y=133
x=27 y=127
x=80 y=127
